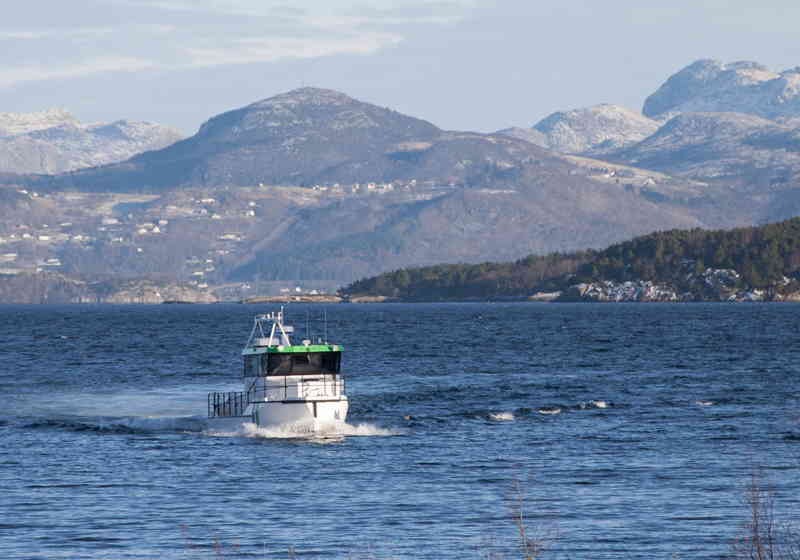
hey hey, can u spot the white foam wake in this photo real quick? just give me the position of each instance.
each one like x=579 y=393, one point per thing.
x=550 y=410
x=146 y=423
x=333 y=430
x=501 y=416
x=163 y=423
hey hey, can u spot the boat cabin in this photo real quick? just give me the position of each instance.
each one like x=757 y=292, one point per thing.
x=294 y=360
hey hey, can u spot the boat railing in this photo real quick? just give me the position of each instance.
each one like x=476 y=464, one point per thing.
x=282 y=389
x=231 y=404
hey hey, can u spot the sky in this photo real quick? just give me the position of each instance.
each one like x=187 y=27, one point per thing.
x=461 y=64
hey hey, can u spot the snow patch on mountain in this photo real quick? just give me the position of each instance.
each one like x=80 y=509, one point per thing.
x=741 y=87
x=54 y=141
x=595 y=129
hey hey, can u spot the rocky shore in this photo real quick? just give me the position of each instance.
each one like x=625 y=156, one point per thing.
x=710 y=285
x=53 y=287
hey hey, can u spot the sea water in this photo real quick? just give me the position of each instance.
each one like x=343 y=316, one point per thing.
x=625 y=431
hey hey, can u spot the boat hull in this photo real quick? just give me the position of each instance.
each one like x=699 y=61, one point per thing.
x=299 y=412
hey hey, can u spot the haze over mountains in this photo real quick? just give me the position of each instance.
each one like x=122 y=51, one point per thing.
x=312 y=185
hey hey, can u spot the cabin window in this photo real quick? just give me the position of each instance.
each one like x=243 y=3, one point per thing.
x=301 y=363
x=278 y=364
x=251 y=368
x=331 y=361
x=304 y=363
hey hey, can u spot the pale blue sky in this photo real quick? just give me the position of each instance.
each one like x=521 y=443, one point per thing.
x=462 y=64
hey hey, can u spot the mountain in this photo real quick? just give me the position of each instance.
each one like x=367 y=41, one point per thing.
x=749 y=164
x=533 y=202
x=595 y=129
x=736 y=147
x=302 y=137
x=13 y=124
x=528 y=134
x=592 y=130
x=740 y=87
x=54 y=141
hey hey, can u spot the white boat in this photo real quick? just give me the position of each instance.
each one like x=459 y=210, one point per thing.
x=297 y=386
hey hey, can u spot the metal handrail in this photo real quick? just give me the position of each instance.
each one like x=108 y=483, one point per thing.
x=234 y=403
x=231 y=404
x=303 y=389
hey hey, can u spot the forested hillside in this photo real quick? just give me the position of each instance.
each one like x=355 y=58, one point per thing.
x=754 y=258
x=485 y=280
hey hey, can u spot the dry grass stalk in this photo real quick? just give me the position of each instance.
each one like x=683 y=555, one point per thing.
x=533 y=541
x=763 y=537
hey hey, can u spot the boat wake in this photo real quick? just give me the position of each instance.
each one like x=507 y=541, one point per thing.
x=164 y=423
x=199 y=424
x=326 y=431
x=120 y=424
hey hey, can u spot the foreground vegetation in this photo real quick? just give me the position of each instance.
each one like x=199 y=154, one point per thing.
x=761 y=534
x=765 y=257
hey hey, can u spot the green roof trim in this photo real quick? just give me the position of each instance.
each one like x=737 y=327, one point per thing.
x=303 y=349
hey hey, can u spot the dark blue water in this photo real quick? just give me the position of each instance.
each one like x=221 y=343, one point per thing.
x=105 y=452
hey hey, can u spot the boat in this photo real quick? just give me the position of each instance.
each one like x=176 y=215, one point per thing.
x=299 y=386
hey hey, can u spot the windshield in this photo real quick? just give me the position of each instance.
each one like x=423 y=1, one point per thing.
x=291 y=363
